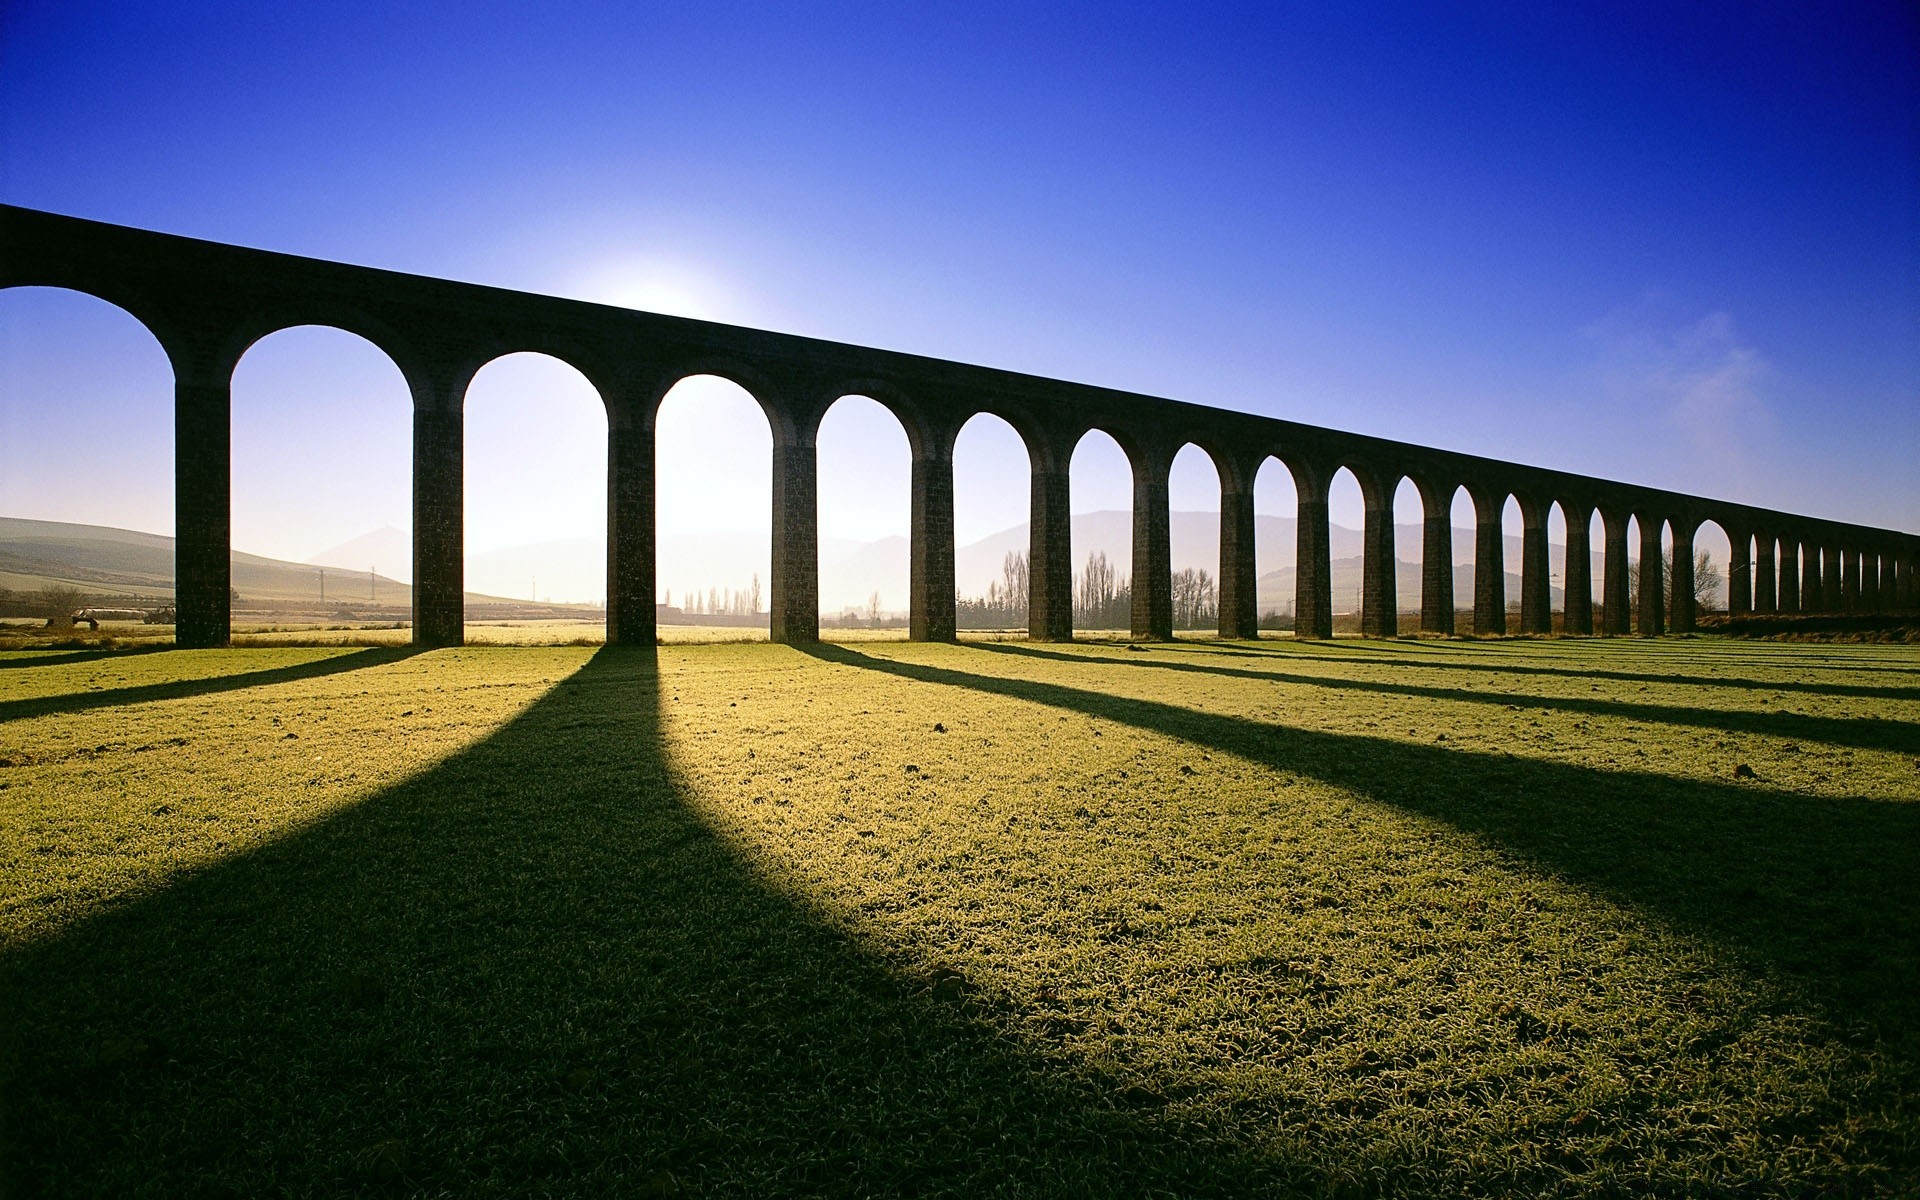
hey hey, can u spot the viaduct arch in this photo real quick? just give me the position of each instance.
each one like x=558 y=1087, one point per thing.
x=206 y=302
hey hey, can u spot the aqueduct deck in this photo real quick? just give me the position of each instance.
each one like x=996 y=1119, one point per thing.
x=206 y=303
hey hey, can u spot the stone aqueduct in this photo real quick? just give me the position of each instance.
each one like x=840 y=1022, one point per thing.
x=206 y=303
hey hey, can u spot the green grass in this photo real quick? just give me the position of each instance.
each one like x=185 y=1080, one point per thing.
x=1414 y=918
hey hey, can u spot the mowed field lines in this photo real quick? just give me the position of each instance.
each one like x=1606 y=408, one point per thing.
x=1205 y=918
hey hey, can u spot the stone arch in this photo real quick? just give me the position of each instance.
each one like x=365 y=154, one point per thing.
x=712 y=447
x=1581 y=563
x=1719 y=547
x=1439 y=549
x=432 y=385
x=866 y=460
x=532 y=412
x=344 y=401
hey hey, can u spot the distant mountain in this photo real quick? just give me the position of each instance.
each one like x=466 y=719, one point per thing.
x=136 y=567
x=386 y=551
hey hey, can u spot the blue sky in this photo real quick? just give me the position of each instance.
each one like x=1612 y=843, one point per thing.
x=1672 y=244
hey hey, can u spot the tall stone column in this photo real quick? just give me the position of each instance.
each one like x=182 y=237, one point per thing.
x=1313 y=568
x=1436 y=558
x=1830 y=586
x=1615 y=588
x=1152 y=549
x=1680 y=614
x=1652 y=578
x=631 y=528
x=1739 y=572
x=1379 y=603
x=1578 y=572
x=202 y=508
x=1489 y=563
x=1849 y=579
x=1909 y=594
x=1239 y=577
x=439 y=512
x=795 y=586
x=931 y=613
x=1813 y=583
x=1766 y=596
x=1536 y=581
x=1050 y=555
x=1789 y=575
x=1870 y=580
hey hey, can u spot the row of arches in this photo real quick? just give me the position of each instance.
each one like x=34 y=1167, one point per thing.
x=207 y=304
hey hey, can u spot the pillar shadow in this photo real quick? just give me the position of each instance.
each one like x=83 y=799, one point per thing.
x=1864 y=733
x=70 y=702
x=1510 y=667
x=533 y=969
x=1823 y=891
x=54 y=658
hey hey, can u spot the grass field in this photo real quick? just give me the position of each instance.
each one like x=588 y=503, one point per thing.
x=1411 y=918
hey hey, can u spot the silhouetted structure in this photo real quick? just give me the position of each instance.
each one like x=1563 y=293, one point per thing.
x=207 y=302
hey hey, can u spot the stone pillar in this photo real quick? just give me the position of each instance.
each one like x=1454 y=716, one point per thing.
x=1830 y=600
x=1050 y=556
x=1870 y=580
x=1436 y=560
x=1578 y=572
x=1615 y=588
x=1652 y=578
x=631 y=529
x=1239 y=576
x=439 y=515
x=1849 y=579
x=1536 y=582
x=1813 y=586
x=1379 y=603
x=1766 y=596
x=1908 y=596
x=1152 y=549
x=795 y=586
x=1313 y=568
x=1789 y=575
x=1740 y=573
x=202 y=508
x=931 y=615
x=1489 y=563
x=1680 y=614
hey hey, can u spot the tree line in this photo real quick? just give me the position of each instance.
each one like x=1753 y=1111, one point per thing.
x=1102 y=597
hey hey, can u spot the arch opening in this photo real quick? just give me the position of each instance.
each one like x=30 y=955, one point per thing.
x=865 y=499
x=992 y=511
x=1409 y=529
x=1346 y=547
x=322 y=429
x=713 y=481
x=535 y=496
x=1275 y=513
x=87 y=405
x=1193 y=502
x=1101 y=490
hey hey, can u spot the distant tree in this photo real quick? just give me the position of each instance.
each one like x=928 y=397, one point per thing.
x=233 y=595
x=873 y=610
x=1706 y=582
x=1101 y=599
x=753 y=595
x=57 y=603
x=1195 y=599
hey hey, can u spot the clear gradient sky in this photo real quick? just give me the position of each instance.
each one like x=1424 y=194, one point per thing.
x=1672 y=244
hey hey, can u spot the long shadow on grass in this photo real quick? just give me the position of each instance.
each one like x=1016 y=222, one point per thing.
x=1510 y=667
x=54 y=658
x=68 y=702
x=1866 y=733
x=1825 y=891
x=534 y=970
